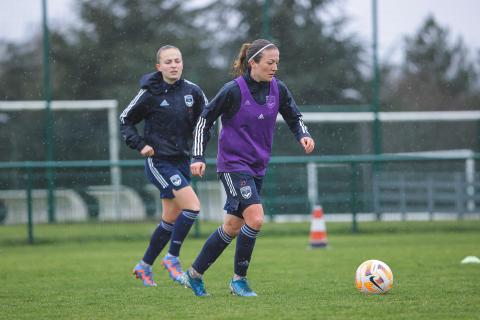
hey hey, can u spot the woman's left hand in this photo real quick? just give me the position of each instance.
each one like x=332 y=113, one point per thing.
x=308 y=144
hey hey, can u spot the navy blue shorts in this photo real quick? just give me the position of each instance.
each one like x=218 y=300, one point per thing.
x=168 y=175
x=242 y=191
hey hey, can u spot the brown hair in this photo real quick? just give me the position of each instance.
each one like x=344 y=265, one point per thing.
x=163 y=49
x=240 y=65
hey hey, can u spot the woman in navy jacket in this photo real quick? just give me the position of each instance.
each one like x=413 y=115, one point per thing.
x=169 y=107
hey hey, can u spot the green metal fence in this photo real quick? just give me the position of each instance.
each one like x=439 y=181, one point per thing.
x=343 y=185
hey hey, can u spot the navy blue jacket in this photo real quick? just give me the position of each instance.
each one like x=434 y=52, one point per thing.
x=170 y=112
x=227 y=103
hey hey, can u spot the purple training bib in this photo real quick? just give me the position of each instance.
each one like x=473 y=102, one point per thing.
x=245 y=142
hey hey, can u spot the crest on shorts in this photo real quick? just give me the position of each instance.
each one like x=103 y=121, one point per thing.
x=176 y=180
x=246 y=192
x=188 y=100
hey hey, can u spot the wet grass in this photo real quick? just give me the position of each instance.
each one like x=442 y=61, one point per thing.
x=82 y=271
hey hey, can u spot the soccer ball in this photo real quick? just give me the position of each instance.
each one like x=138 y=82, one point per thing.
x=374 y=277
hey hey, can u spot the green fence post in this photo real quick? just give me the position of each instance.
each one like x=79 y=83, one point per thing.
x=375 y=107
x=272 y=205
x=266 y=20
x=353 y=198
x=196 y=232
x=29 y=206
x=47 y=95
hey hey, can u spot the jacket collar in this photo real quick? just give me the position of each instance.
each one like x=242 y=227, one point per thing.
x=154 y=83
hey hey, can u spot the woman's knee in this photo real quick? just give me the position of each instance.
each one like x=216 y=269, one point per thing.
x=254 y=216
x=255 y=222
x=193 y=205
x=187 y=199
x=171 y=216
x=232 y=228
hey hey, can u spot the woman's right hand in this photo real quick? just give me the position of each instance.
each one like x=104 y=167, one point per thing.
x=198 y=168
x=147 y=151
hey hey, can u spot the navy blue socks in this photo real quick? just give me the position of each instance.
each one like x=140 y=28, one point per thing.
x=159 y=239
x=243 y=251
x=180 y=230
x=212 y=249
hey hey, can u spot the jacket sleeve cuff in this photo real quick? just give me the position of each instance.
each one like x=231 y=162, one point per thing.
x=140 y=146
x=303 y=135
x=198 y=159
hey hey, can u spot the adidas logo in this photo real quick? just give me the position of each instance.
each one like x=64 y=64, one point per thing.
x=164 y=103
x=261 y=116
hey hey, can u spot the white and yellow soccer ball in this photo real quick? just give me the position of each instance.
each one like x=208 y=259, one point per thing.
x=374 y=277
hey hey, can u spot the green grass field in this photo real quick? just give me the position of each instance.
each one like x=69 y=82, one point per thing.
x=83 y=272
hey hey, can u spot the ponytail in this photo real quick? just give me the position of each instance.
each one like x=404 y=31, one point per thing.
x=240 y=66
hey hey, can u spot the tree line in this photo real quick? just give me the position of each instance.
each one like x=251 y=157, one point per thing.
x=115 y=41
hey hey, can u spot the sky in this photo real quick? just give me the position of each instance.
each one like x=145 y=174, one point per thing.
x=396 y=19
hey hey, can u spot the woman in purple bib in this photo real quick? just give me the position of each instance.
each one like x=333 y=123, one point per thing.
x=248 y=107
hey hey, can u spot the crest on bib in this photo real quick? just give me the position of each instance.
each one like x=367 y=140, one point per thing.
x=270 y=101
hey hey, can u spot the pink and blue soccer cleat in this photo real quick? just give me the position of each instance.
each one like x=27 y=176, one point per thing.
x=172 y=265
x=144 y=273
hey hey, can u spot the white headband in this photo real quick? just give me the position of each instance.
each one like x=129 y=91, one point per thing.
x=270 y=44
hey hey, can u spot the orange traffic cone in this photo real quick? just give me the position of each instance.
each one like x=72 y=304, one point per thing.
x=318 y=229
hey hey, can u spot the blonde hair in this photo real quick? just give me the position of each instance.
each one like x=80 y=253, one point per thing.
x=165 y=47
x=248 y=51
